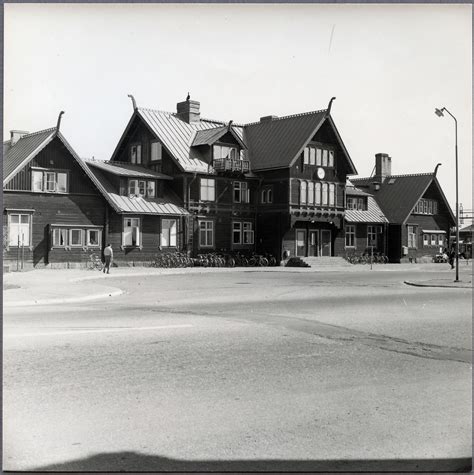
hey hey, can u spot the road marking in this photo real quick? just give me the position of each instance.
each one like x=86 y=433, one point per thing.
x=99 y=330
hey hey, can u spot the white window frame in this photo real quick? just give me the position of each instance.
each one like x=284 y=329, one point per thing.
x=243 y=192
x=151 y=189
x=310 y=192
x=57 y=232
x=50 y=181
x=319 y=153
x=440 y=239
x=325 y=157
x=263 y=198
x=81 y=234
x=371 y=235
x=136 y=153
x=331 y=158
x=247 y=233
x=303 y=192
x=207 y=189
x=332 y=194
x=132 y=232
x=34 y=182
x=317 y=193
x=169 y=233
x=426 y=240
x=312 y=156
x=88 y=237
x=306 y=156
x=350 y=235
x=236 y=233
x=324 y=194
x=270 y=195
x=411 y=236
x=433 y=240
x=209 y=227
x=226 y=152
x=28 y=227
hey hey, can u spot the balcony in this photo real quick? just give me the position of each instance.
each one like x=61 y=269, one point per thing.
x=231 y=165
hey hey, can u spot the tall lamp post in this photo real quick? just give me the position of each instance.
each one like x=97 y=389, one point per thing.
x=439 y=113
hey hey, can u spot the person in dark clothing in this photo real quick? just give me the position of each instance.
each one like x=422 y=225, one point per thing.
x=108 y=256
x=452 y=254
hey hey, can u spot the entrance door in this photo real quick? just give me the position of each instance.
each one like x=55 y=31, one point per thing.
x=300 y=242
x=313 y=245
x=325 y=242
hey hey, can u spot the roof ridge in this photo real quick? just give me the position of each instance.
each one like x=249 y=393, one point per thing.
x=301 y=114
x=37 y=133
x=393 y=176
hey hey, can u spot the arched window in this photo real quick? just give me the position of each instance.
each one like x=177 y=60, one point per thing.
x=317 y=193
x=311 y=193
x=324 y=194
x=303 y=193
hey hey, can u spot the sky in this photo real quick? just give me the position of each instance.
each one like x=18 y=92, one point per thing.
x=388 y=66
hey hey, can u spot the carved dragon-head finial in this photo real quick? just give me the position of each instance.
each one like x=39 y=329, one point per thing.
x=328 y=111
x=133 y=102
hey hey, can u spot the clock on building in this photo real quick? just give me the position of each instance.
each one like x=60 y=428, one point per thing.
x=321 y=173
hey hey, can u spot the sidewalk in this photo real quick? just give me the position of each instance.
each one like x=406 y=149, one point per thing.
x=47 y=286
x=447 y=281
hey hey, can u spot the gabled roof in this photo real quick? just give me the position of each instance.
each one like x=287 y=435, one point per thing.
x=168 y=205
x=278 y=142
x=210 y=136
x=373 y=213
x=177 y=137
x=353 y=191
x=398 y=194
x=127 y=169
x=25 y=149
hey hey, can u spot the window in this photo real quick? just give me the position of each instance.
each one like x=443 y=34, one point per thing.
x=225 y=151
x=131 y=232
x=49 y=181
x=248 y=233
x=206 y=233
x=168 y=232
x=325 y=158
x=412 y=236
x=426 y=207
x=155 y=151
x=350 y=236
x=324 y=194
x=60 y=237
x=136 y=153
x=371 y=236
x=435 y=207
x=426 y=239
x=312 y=156
x=433 y=239
x=440 y=240
x=75 y=237
x=318 y=157
x=93 y=237
x=241 y=192
x=311 y=193
x=267 y=195
x=361 y=204
x=317 y=193
x=19 y=229
x=303 y=193
x=242 y=233
x=208 y=190
x=306 y=156
x=332 y=194
x=150 y=189
x=331 y=159
x=351 y=203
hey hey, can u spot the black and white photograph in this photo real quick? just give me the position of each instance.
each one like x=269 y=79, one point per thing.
x=237 y=237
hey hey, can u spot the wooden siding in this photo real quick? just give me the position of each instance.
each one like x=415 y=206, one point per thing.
x=54 y=156
x=80 y=210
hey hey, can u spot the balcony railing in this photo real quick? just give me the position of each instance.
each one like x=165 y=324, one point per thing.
x=231 y=165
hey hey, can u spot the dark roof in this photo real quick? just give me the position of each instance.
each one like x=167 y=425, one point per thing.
x=168 y=205
x=398 y=194
x=25 y=149
x=353 y=191
x=127 y=169
x=210 y=136
x=277 y=142
x=467 y=229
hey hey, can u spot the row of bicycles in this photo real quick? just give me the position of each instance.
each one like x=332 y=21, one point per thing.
x=367 y=258
x=214 y=259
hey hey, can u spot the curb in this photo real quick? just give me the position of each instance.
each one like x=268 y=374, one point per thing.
x=29 y=303
x=445 y=286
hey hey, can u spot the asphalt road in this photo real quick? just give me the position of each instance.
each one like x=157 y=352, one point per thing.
x=242 y=371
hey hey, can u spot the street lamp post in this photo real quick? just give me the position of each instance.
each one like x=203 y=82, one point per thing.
x=439 y=113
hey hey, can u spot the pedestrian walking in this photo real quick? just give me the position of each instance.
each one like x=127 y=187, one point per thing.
x=108 y=256
x=452 y=254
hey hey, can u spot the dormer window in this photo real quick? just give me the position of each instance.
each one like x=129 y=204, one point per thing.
x=155 y=151
x=359 y=204
x=318 y=155
x=141 y=188
x=225 y=151
x=48 y=181
x=136 y=154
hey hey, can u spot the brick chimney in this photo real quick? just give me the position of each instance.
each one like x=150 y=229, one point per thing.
x=16 y=135
x=188 y=111
x=383 y=166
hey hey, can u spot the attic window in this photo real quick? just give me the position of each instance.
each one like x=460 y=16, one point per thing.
x=391 y=181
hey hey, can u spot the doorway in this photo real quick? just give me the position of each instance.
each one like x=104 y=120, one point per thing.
x=325 y=242
x=300 y=243
x=313 y=244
